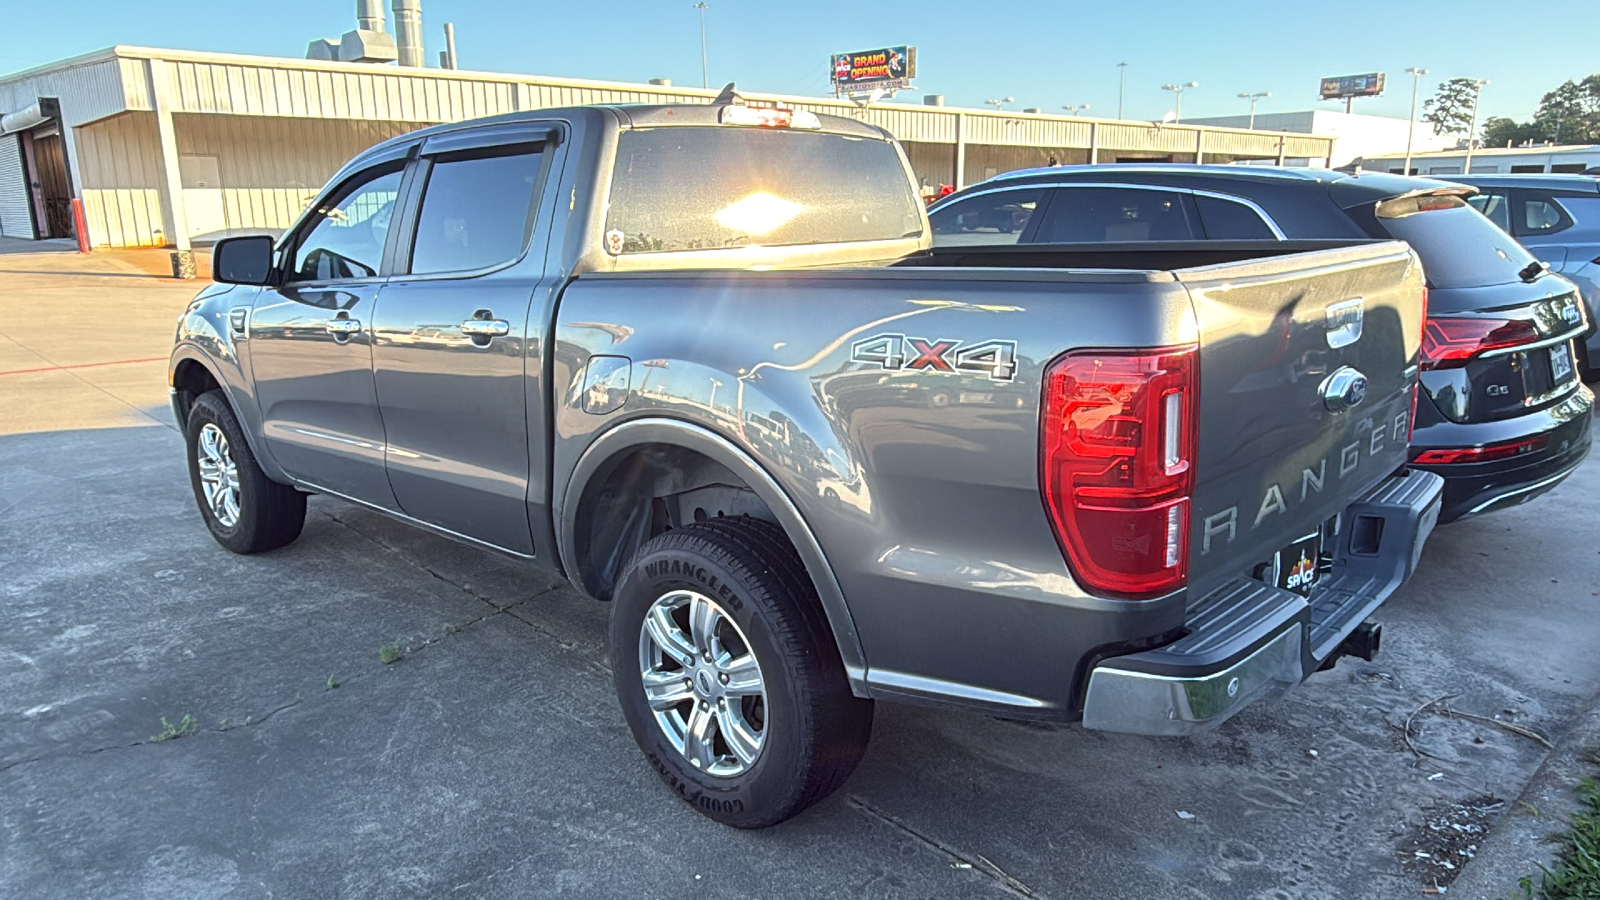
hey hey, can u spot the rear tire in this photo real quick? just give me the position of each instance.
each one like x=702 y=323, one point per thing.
x=731 y=598
x=246 y=511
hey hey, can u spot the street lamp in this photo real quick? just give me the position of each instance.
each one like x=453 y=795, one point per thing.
x=1177 y=115
x=702 y=7
x=1074 y=110
x=999 y=104
x=1472 y=130
x=1122 y=82
x=1253 y=98
x=1411 y=123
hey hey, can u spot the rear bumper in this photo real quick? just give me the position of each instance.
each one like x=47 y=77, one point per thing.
x=1474 y=488
x=1249 y=641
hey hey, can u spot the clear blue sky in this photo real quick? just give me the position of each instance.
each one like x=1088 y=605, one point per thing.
x=1045 y=53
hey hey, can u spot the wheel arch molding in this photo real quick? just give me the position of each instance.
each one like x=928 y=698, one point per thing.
x=600 y=460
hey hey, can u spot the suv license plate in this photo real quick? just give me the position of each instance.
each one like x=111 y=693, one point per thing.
x=1561 y=362
x=1297 y=564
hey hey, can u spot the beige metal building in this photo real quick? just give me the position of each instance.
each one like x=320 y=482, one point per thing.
x=166 y=146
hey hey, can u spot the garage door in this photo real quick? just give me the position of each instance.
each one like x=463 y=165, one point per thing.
x=14 y=218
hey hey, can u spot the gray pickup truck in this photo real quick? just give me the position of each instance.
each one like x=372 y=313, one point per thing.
x=701 y=361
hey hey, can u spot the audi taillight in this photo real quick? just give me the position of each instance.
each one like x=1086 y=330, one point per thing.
x=1117 y=457
x=1507 y=450
x=1449 y=341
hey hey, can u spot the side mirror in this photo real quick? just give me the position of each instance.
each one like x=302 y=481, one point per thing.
x=242 y=260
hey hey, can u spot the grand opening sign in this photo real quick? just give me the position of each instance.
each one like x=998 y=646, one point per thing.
x=888 y=68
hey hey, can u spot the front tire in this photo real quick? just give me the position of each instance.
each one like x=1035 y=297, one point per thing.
x=246 y=511
x=728 y=674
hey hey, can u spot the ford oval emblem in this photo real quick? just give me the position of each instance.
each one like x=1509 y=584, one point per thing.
x=1343 y=389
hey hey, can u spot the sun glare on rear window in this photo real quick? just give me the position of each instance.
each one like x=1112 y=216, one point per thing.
x=709 y=188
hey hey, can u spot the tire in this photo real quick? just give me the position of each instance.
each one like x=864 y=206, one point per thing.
x=263 y=514
x=812 y=730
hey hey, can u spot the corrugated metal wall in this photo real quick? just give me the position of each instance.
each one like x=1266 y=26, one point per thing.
x=95 y=89
x=119 y=165
x=15 y=221
x=270 y=168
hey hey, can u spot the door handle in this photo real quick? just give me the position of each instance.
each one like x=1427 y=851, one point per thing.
x=489 y=328
x=344 y=327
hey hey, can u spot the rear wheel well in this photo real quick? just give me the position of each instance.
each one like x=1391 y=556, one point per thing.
x=191 y=379
x=646 y=491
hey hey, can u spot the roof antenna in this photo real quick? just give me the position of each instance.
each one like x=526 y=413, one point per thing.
x=728 y=96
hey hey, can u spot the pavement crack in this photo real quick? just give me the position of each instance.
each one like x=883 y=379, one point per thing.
x=977 y=862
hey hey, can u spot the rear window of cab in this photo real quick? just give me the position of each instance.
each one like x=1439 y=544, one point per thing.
x=716 y=187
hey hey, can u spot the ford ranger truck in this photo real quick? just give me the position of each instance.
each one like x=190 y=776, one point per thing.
x=700 y=360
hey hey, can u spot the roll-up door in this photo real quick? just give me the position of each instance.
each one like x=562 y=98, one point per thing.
x=15 y=220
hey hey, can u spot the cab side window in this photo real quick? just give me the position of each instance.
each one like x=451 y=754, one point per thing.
x=346 y=233
x=476 y=210
x=1119 y=215
x=1230 y=220
x=992 y=218
x=1540 y=214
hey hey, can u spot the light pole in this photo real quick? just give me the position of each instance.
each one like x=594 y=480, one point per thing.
x=702 y=7
x=1253 y=98
x=1074 y=110
x=1000 y=104
x=1177 y=114
x=1472 y=130
x=1122 y=83
x=1411 y=123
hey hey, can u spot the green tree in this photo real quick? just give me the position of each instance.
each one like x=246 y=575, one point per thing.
x=1450 y=110
x=1499 y=131
x=1571 y=113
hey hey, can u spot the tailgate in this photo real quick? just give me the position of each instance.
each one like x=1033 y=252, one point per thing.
x=1281 y=341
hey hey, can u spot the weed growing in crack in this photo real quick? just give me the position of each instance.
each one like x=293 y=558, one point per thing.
x=186 y=726
x=333 y=683
x=389 y=653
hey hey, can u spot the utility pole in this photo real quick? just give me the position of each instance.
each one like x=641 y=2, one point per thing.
x=1122 y=83
x=702 y=7
x=1177 y=114
x=1253 y=98
x=1411 y=123
x=1472 y=130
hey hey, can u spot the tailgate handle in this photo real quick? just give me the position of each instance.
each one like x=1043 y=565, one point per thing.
x=1343 y=321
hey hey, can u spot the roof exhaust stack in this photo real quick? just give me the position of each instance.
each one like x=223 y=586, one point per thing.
x=408 y=32
x=369 y=43
x=447 y=56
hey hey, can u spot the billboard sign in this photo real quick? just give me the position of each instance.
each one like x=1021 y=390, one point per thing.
x=889 y=68
x=1343 y=86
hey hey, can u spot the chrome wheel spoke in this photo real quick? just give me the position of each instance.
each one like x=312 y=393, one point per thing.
x=665 y=690
x=744 y=677
x=743 y=740
x=668 y=637
x=703 y=618
x=697 y=737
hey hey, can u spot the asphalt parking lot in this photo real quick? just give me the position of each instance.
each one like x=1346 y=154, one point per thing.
x=491 y=760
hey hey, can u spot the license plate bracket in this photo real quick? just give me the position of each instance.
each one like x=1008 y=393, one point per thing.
x=1561 y=362
x=1297 y=567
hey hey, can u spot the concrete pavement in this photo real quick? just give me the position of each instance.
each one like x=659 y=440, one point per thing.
x=491 y=760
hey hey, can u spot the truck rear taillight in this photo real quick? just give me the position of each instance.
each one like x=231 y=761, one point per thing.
x=1117 y=452
x=1448 y=342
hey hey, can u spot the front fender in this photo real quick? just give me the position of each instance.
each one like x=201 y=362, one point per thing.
x=675 y=432
x=205 y=339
